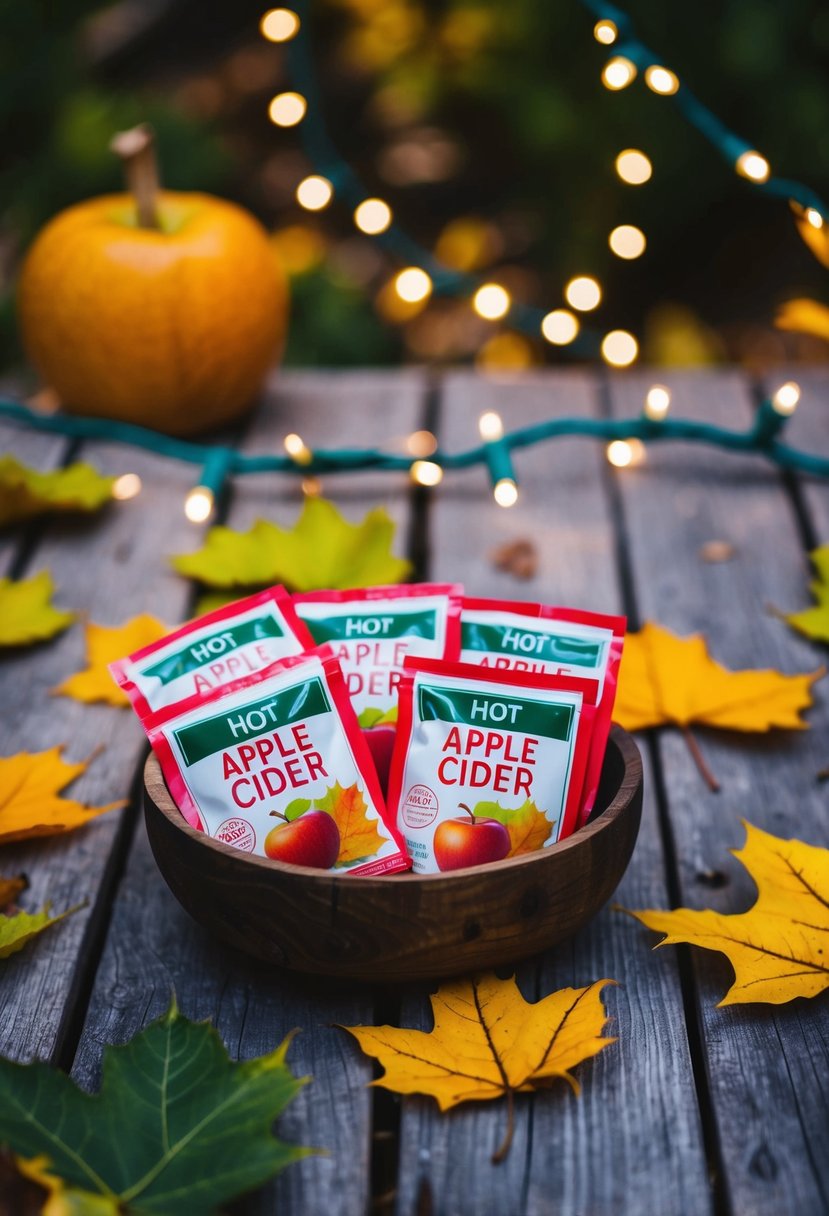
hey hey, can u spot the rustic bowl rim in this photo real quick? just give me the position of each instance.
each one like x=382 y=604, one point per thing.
x=618 y=806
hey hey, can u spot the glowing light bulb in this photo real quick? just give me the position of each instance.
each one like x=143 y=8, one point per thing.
x=785 y=400
x=490 y=426
x=627 y=242
x=753 y=166
x=314 y=192
x=126 y=486
x=814 y=217
x=633 y=167
x=491 y=301
x=426 y=473
x=372 y=216
x=413 y=285
x=618 y=73
x=287 y=109
x=505 y=492
x=605 y=32
x=311 y=487
x=421 y=443
x=297 y=450
x=622 y=453
x=560 y=327
x=583 y=293
x=661 y=80
x=619 y=348
x=198 y=505
x=657 y=402
x=279 y=25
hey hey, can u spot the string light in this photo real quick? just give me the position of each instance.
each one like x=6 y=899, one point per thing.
x=413 y=285
x=372 y=216
x=314 y=192
x=127 y=486
x=627 y=241
x=426 y=473
x=421 y=443
x=297 y=450
x=279 y=25
x=623 y=453
x=560 y=327
x=814 y=217
x=490 y=426
x=785 y=400
x=605 y=32
x=505 y=492
x=661 y=80
x=618 y=73
x=198 y=505
x=583 y=293
x=287 y=109
x=633 y=167
x=492 y=301
x=619 y=348
x=657 y=402
x=311 y=487
x=753 y=166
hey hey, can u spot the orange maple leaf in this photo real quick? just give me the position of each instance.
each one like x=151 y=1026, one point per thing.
x=778 y=947
x=669 y=680
x=359 y=836
x=528 y=827
x=103 y=646
x=30 y=802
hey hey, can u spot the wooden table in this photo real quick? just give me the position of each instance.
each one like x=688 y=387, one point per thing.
x=696 y=1109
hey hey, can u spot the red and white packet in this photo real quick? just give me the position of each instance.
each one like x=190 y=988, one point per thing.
x=487 y=764
x=542 y=639
x=279 y=744
x=212 y=651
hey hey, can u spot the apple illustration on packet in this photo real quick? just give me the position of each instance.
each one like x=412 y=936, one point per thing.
x=464 y=842
x=312 y=839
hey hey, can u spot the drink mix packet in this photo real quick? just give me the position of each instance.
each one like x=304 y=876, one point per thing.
x=275 y=764
x=373 y=630
x=212 y=651
x=487 y=764
x=507 y=636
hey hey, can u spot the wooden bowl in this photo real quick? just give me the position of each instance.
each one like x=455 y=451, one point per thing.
x=404 y=926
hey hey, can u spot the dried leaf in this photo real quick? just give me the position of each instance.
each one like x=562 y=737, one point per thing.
x=322 y=550
x=30 y=802
x=816 y=238
x=17 y=930
x=517 y=557
x=10 y=888
x=177 y=1127
x=528 y=827
x=359 y=836
x=814 y=622
x=26 y=614
x=777 y=948
x=803 y=317
x=488 y=1042
x=103 y=646
x=25 y=492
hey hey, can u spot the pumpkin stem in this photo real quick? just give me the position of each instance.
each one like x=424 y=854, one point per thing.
x=136 y=149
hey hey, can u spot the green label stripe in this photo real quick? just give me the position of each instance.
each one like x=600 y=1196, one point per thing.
x=531 y=644
x=494 y=711
x=213 y=647
x=371 y=626
x=300 y=701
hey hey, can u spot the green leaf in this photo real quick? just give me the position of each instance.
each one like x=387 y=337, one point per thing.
x=322 y=550
x=814 y=622
x=296 y=808
x=25 y=492
x=372 y=716
x=17 y=930
x=177 y=1127
x=25 y=612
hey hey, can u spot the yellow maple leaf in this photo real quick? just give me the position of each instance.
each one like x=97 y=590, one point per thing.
x=669 y=680
x=359 y=836
x=25 y=612
x=488 y=1042
x=17 y=930
x=103 y=646
x=26 y=492
x=63 y=1200
x=30 y=802
x=803 y=316
x=778 y=947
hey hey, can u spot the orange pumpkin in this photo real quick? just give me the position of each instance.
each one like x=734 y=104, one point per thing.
x=171 y=327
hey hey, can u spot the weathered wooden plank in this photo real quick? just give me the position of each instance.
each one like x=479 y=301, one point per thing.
x=109 y=567
x=153 y=947
x=632 y=1142
x=808 y=430
x=766 y=1066
x=42 y=452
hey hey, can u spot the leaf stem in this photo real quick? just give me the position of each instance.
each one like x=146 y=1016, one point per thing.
x=699 y=760
x=505 y=1145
